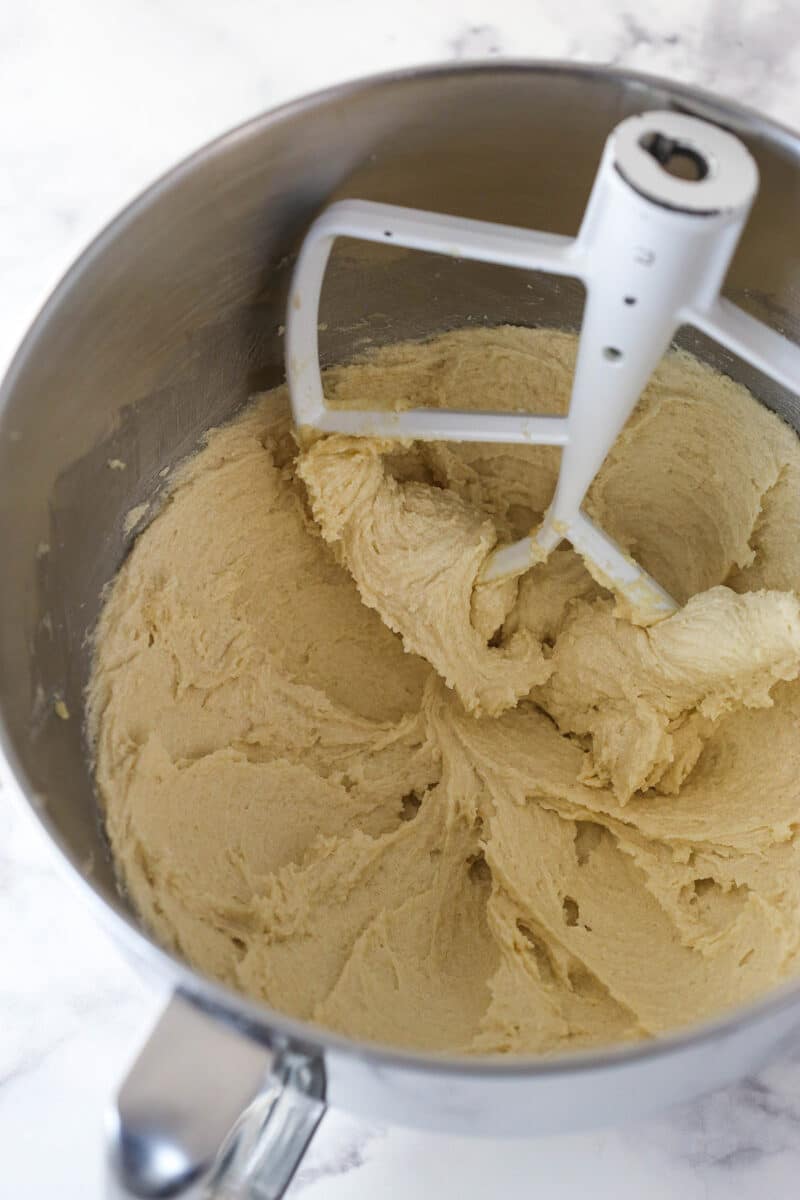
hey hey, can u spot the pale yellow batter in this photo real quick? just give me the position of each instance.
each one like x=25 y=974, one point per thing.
x=343 y=778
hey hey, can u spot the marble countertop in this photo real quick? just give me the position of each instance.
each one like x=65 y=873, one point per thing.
x=98 y=97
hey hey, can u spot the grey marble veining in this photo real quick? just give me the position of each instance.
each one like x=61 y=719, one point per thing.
x=96 y=99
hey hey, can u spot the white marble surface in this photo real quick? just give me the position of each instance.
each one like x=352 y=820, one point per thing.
x=96 y=98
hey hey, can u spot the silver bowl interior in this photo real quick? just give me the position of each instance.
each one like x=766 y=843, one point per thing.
x=173 y=317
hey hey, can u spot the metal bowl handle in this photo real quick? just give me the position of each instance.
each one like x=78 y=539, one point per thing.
x=205 y=1112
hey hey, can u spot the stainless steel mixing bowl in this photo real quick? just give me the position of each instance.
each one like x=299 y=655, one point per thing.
x=164 y=327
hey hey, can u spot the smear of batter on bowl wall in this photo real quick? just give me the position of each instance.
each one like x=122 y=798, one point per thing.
x=344 y=779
